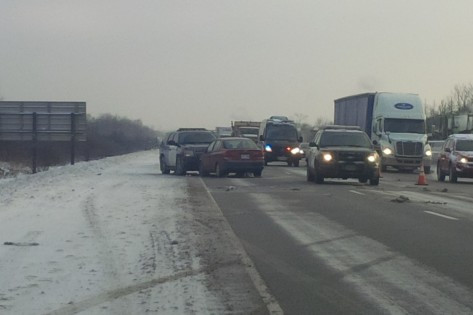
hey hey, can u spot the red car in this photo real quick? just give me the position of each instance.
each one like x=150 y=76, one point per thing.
x=232 y=155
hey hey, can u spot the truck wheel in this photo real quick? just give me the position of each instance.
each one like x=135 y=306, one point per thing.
x=296 y=163
x=452 y=176
x=362 y=180
x=289 y=163
x=440 y=175
x=374 y=181
x=162 y=165
x=179 y=167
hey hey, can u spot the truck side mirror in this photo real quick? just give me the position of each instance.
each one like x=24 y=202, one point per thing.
x=172 y=142
x=312 y=144
x=375 y=142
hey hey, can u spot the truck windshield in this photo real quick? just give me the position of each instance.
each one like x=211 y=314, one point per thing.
x=464 y=145
x=196 y=137
x=404 y=125
x=281 y=132
x=350 y=139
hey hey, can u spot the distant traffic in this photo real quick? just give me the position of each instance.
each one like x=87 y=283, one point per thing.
x=372 y=131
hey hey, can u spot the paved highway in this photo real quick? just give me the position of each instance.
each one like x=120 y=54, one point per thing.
x=345 y=247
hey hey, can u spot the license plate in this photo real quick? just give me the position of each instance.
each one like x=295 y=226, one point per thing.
x=350 y=167
x=245 y=156
x=282 y=158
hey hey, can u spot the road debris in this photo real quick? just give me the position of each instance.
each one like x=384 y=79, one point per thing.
x=20 y=244
x=401 y=199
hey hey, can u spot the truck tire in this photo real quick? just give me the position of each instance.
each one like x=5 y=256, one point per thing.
x=363 y=180
x=296 y=163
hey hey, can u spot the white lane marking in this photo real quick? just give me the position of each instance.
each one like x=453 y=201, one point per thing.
x=356 y=192
x=370 y=267
x=441 y=215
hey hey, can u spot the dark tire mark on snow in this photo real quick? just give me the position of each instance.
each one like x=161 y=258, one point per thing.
x=81 y=306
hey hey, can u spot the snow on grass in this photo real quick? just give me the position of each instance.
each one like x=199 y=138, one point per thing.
x=109 y=239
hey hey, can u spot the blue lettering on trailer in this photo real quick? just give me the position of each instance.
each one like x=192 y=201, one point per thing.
x=404 y=106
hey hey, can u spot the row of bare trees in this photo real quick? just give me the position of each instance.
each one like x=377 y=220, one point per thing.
x=107 y=135
x=460 y=101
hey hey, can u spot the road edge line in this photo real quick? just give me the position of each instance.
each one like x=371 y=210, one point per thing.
x=268 y=299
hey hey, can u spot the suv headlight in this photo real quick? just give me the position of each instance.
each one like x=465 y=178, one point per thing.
x=463 y=160
x=267 y=148
x=372 y=157
x=387 y=151
x=296 y=151
x=428 y=153
x=327 y=157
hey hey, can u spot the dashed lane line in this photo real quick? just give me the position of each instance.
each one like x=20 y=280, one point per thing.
x=441 y=215
x=356 y=192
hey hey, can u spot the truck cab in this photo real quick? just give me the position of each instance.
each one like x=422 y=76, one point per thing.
x=399 y=127
x=396 y=122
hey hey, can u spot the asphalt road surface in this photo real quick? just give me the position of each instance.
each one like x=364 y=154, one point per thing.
x=345 y=247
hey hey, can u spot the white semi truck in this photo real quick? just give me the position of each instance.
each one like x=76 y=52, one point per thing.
x=396 y=124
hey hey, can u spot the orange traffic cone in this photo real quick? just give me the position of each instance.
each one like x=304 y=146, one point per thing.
x=422 y=180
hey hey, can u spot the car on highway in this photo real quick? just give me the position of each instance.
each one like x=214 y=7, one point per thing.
x=456 y=158
x=280 y=141
x=180 y=150
x=342 y=152
x=232 y=155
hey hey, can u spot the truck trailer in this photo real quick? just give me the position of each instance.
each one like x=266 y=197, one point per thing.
x=394 y=121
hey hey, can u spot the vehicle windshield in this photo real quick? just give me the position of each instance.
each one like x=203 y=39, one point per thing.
x=239 y=144
x=352 y=139
x=196 y=137
x=281 y=132
x=404 y=125
x=464 y=145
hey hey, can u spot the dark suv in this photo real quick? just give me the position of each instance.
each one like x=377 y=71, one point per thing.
x=456 y=158
x=342 y=152
x=180 y=150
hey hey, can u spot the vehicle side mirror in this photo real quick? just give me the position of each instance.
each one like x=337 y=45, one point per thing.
x=261 y=138
x=312 y=144
x=375 y=142
x=300 y=139
x=172 y=142
x=448 y=150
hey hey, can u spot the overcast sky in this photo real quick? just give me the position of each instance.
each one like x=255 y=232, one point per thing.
x=204 y=63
